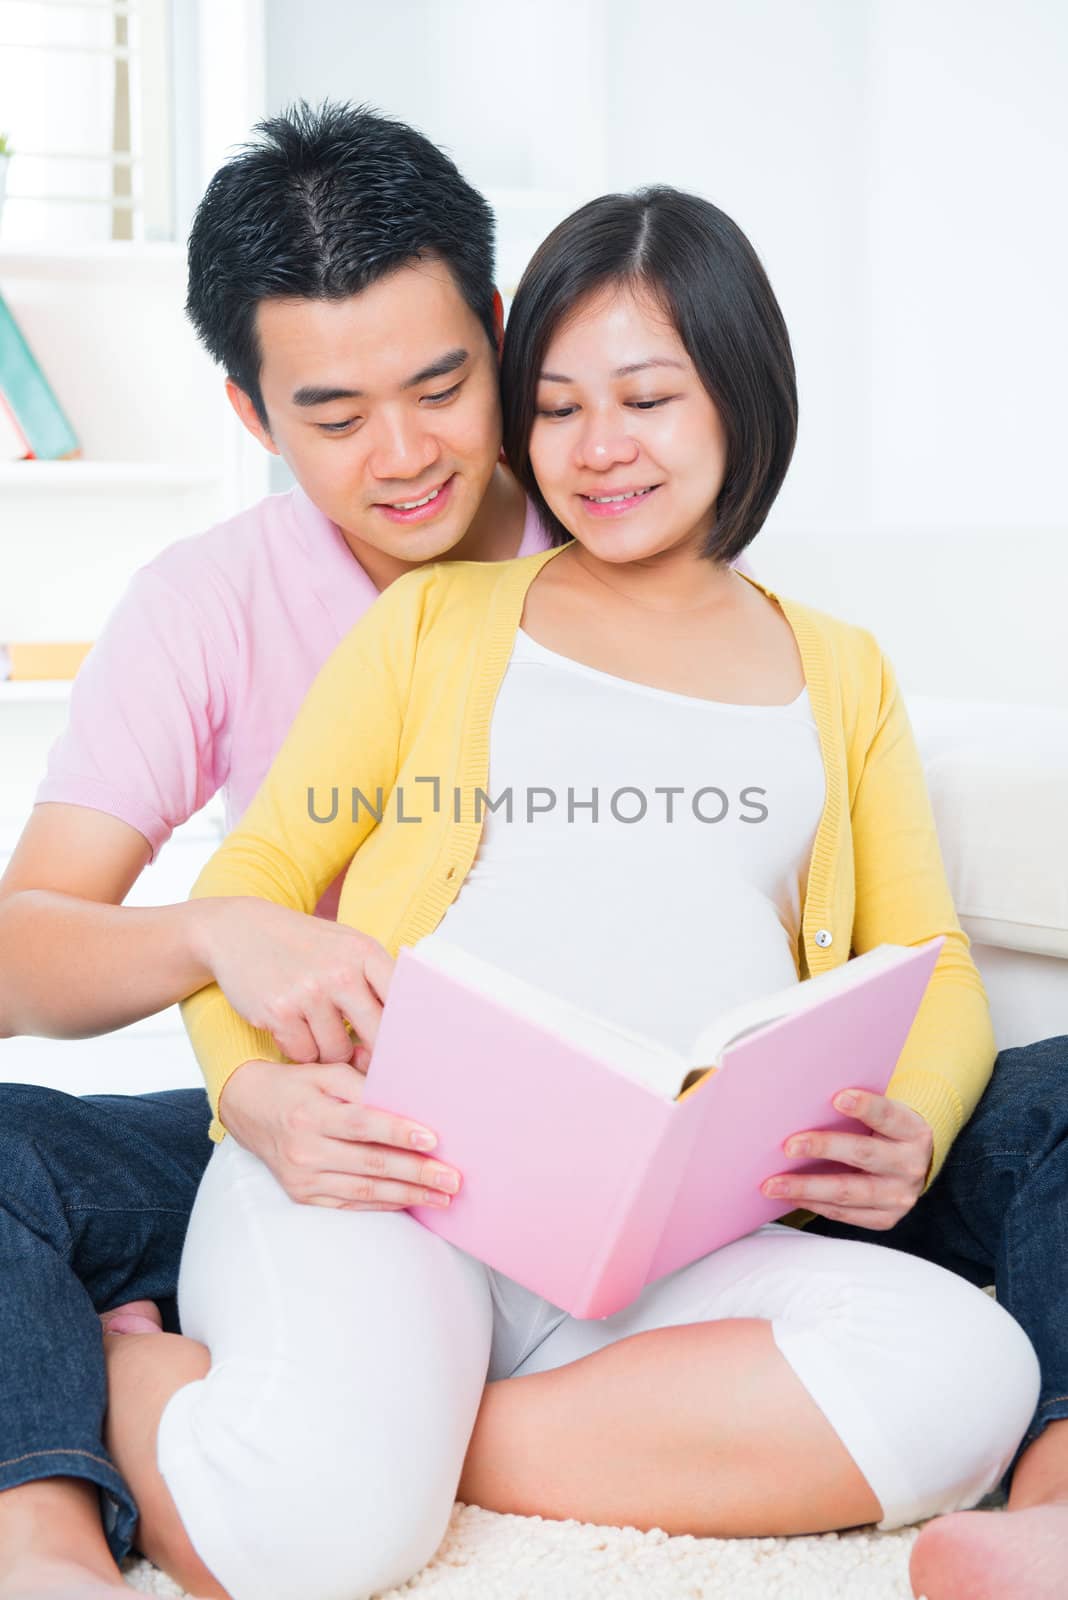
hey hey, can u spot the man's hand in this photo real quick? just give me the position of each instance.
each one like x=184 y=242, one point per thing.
x=300 y=977
x=309 y=1125
x=893 y=1162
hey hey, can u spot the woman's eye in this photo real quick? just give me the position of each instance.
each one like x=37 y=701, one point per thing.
x=444 y=394
x=557 y=411
x=648 y=405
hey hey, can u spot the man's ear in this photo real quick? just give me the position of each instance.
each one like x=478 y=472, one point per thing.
x=498 y=320
x=249 y=416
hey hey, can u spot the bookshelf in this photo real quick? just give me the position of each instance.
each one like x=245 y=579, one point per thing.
x=163 y=456
x=100 y=477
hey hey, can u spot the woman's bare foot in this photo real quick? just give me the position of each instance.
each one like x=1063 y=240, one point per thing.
x=137 y=1316
x=992 y=1555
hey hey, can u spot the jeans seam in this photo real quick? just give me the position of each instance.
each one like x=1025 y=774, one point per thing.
x=1054 y=1400
x=137 y=1211
x=32 y=1455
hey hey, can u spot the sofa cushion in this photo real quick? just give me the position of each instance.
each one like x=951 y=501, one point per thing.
x=998 y=780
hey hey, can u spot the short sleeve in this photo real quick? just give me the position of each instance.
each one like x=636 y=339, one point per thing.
x=146 y=738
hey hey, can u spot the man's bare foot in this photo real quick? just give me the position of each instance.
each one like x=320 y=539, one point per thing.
x=59 y=1580
x=137 y=1316
x=992 y=1555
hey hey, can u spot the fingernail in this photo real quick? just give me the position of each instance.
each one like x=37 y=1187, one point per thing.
x=846 y=1102
x=774 y=1187
x=423 y=1139
x=447 y=1180
x=797 y=1147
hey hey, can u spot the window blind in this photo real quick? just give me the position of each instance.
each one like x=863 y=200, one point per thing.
x=85 y=102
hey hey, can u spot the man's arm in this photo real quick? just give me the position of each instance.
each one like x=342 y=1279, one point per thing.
x=74 y=961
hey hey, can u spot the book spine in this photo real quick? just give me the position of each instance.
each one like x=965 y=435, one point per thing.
x=14 y=445
x=619 y=1270
x=29 y=396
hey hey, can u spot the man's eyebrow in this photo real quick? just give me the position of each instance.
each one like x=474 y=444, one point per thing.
x=314 y=395
x=451 y=361
x=319 y=395
x=621 y=372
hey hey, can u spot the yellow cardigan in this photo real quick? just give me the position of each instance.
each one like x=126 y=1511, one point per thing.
x=407 y=697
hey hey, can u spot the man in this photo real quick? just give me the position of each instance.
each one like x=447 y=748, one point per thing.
x=341 y=272
x=341 y=243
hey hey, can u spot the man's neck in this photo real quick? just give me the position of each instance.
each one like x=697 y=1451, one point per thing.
x=495 y=534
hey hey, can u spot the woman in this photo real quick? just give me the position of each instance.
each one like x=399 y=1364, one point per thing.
x=783 y=1384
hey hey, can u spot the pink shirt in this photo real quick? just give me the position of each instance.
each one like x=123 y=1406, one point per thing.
x=203 y=664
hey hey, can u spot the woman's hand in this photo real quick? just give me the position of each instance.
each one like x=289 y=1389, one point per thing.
x=298 y=976
x=309 y=1125
x=892 y=1164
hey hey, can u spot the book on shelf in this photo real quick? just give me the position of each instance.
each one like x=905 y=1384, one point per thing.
x=34 y=423
x=38 y=662
x=14 y=446
x=595 y=1161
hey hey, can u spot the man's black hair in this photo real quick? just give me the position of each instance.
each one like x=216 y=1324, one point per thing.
x=319 y=205
x=700 y=267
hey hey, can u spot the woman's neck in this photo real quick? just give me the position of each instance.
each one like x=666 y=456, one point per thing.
x=673 y=583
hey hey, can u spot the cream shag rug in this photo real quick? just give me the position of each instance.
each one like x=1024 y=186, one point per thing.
x=485 y=1556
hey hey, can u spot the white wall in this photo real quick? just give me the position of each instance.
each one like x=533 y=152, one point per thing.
x=899 y=164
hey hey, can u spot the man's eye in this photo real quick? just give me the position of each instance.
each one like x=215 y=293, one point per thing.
x=337 y=427
x=444 y=394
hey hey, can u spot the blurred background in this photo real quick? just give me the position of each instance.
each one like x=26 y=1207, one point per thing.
x=901 y=167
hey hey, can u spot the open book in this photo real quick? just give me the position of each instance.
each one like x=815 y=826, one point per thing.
x=595 y=1161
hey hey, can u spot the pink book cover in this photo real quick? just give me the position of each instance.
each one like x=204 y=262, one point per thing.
x=585 y=1185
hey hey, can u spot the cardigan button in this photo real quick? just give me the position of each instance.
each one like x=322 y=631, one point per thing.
x=824 y=938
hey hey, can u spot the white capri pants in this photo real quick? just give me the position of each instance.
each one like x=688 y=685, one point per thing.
x=322 y=1453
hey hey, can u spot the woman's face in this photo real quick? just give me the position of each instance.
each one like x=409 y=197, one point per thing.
x=627 y=447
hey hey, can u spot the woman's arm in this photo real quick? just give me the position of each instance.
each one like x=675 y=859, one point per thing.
x=902 y=897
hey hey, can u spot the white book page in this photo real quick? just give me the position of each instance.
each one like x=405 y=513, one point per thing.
x=643 y=1060
x=730 y=1026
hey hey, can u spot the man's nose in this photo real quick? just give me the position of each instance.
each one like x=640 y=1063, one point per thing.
x=403 y=448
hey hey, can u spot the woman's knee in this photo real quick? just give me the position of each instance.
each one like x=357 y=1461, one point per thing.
x=1006 y=1377
x=336 y=1539
x=975 y=1389
x=285 y=1491
x=351 y=1557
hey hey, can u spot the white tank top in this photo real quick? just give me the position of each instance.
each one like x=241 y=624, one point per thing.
x=662 y=909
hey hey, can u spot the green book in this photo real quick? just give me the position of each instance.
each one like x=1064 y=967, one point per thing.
x=29 y=395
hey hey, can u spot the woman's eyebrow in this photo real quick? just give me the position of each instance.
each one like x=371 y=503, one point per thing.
x=620 y=372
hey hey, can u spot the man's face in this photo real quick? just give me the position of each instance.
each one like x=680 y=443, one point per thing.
x=385 y=406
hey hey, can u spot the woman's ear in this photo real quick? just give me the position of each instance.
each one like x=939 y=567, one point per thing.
x=498 y=320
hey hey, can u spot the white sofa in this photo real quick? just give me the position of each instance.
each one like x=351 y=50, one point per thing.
x=998 y=780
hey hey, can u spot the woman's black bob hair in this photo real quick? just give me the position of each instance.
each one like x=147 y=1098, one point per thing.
x=704 y=272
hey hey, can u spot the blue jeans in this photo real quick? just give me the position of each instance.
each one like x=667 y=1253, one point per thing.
x=95 y=1196
x=998 y=1211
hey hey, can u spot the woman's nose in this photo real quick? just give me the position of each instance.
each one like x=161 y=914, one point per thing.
x=606 y=444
